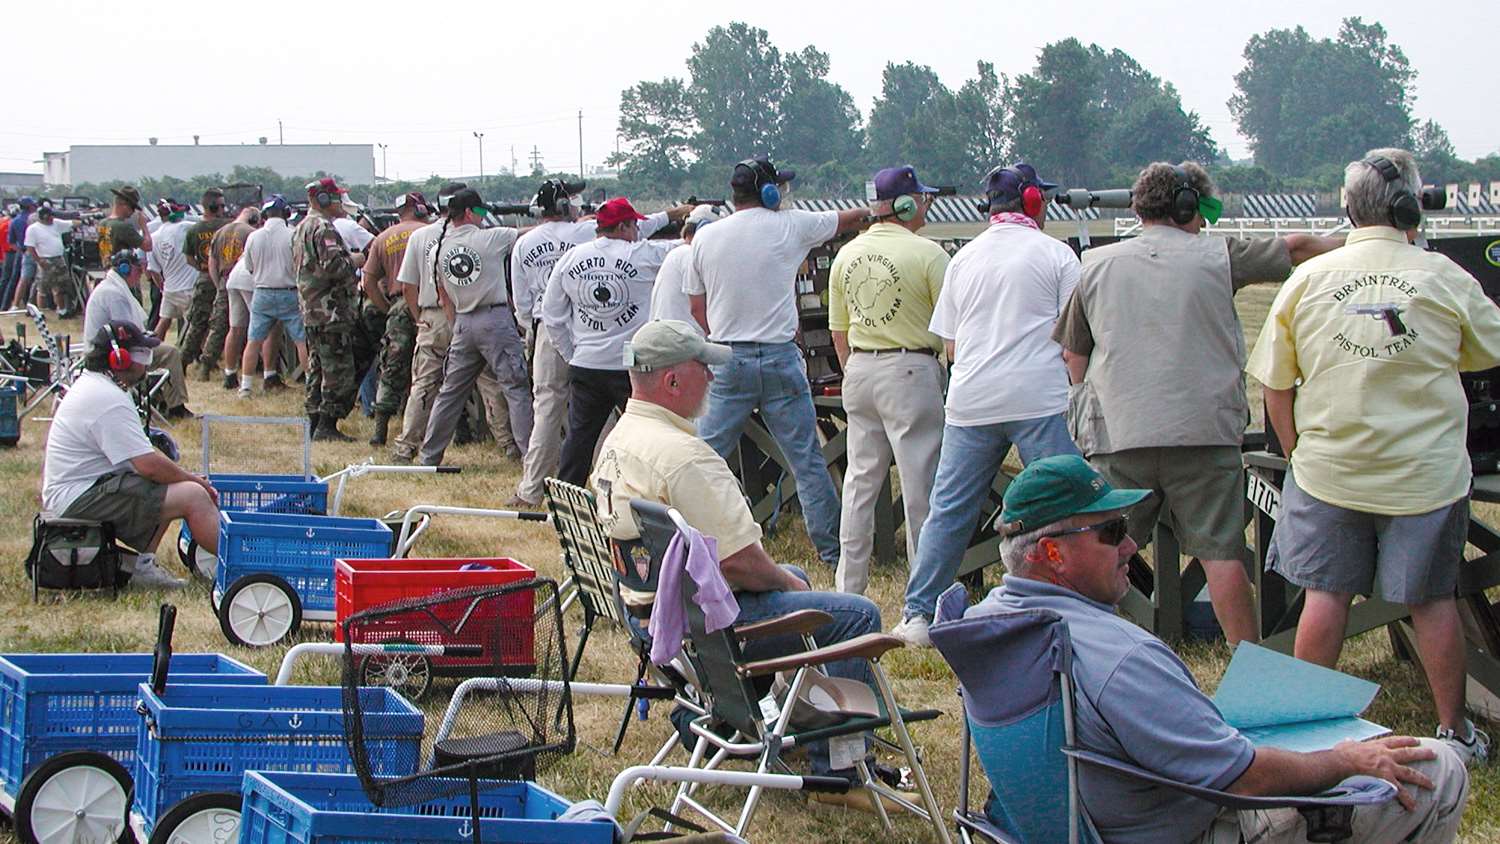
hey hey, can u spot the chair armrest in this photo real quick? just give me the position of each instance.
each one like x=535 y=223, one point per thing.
x=868 y=646
x=793 y=624
x=1354 y=791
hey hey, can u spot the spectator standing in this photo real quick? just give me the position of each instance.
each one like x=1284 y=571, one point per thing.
x=210 y=299
x=397 y=343
x=170 y=270
x=44 y=244
x=325 y=291
x=26 y=265
x=268 y=260
x=225 y=250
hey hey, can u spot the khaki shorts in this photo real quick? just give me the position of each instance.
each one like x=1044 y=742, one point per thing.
x=1402 y=559
x=174 y=303
x=1200 y=489
x=126 y=500
x=239 y=307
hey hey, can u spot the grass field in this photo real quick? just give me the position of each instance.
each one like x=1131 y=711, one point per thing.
x=67 y=624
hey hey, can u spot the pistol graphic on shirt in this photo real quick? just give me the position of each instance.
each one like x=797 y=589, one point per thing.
x=1385 y=312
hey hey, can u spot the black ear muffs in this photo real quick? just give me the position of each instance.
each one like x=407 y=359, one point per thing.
x=119 y=356
x=1403 y=209
x=323 y=199
x=1184 y=198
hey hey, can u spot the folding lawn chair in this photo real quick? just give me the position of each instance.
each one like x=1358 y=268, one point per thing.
x=596 y=565
x=1015 y=670
x=739 y=722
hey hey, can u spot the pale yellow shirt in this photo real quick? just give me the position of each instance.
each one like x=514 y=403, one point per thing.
x=1377 y=332
x=654 y=454
x=882 y=289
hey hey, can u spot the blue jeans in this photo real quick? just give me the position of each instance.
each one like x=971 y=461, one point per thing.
x=853 y=615
x=9 y=275
x=970 y=459
x=771 y=377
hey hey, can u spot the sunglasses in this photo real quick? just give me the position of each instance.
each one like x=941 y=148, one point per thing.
x=1111 y=532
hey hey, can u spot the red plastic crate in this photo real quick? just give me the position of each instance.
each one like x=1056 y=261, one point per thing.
x=362 y=584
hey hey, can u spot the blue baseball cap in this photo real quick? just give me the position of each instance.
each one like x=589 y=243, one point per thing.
x=276 y=200
x=28 y=202
x=1006 y=183
x=899 y=181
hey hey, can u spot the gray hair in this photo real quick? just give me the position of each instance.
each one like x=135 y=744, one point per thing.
x=1015 y=550
x=1368 y=195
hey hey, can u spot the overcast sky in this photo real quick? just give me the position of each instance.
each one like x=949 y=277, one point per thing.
x=421 y=77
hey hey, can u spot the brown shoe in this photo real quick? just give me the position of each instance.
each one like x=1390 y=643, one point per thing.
x=516 y=502
x=862 y=800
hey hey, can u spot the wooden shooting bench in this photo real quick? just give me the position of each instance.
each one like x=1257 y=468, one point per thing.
x=1280 y=602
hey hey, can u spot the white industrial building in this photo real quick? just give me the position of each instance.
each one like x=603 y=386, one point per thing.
x=350 y=163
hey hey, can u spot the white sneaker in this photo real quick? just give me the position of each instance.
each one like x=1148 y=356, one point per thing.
x=914 y=631
x=1474 y=751
x=149 y=573
x=244 y=392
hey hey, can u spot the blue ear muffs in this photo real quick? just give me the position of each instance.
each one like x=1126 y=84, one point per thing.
x=770 y=196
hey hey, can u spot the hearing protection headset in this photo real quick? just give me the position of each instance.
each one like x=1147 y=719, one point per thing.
x=765 y=182
x=320 y=195
x=1032 y=198
x=123 y=261
x=552 y=200
x=1184 y=198
x=904 y=207
x=1403 y=209
x=119 y=356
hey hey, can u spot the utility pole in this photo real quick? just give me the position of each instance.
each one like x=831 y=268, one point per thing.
x=580 y=143
x=280 y=135
x=480 y=136
x=384 y=173
x=536 y=159
x=513 y=159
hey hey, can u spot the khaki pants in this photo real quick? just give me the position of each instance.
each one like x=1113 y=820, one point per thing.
x=168 y=357
x=894 y=403
x=549 y=373
x=1434 y=821
x=433 y=336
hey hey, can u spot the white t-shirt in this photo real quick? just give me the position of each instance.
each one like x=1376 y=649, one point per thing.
x=47 y=240
x=536 y=252
x=167 y=258
x=268 y=256
x=747 y=264
x=598 y=296
x=240 y=278
x=416 y=264
x=668 y=301
x=1001 y=297
x=95 y=430
x=355 y=236
x=111 y=301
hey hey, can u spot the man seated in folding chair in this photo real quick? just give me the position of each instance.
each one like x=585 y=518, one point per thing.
x=1066 y=549
x=99 y=465
x=654 y=453
x=117 y=298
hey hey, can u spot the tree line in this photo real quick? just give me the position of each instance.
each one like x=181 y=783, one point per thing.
x=1084 y=115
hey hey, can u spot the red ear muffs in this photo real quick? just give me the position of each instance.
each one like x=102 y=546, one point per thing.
x=119 y=357
x=1031 y=200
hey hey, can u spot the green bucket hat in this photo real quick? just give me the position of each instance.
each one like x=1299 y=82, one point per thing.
x=1054 y=488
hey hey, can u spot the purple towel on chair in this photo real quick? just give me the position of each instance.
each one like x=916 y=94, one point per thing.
x=698 y=556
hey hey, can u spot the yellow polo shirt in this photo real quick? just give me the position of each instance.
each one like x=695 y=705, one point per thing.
x=654 y=454
x=1377 y=332
x=882 y=288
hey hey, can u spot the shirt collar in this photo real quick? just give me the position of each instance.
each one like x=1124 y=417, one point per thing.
x=651 y=410
x=1027 y=588
x=1364 y=233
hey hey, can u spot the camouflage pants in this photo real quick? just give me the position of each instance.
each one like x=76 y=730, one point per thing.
x=200 y=313
x=396 y=350
x=367 y=334
x=218 y=327
x=56 y=279
x=331 y=381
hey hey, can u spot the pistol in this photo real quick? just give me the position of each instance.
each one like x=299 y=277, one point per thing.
x=1387 y=313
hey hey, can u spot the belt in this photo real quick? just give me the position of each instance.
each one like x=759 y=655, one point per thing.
x=878 y=352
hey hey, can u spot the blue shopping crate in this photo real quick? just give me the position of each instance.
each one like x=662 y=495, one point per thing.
x=298 y=549
x=194 y=739
x=268 y=494
x=331 y=809
x=54 y=703
x=10 y=411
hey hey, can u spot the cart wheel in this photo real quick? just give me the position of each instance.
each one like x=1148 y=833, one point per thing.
x=259 y=610
x=195 y=559
x=209 y=818
x=75 y=796
x=408 y=674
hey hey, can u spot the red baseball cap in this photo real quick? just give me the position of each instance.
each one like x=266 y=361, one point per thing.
x=326 y=185
x=614 y=212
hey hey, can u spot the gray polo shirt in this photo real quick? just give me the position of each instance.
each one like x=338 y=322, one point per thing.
x=111 y=301
x=1134 y=701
